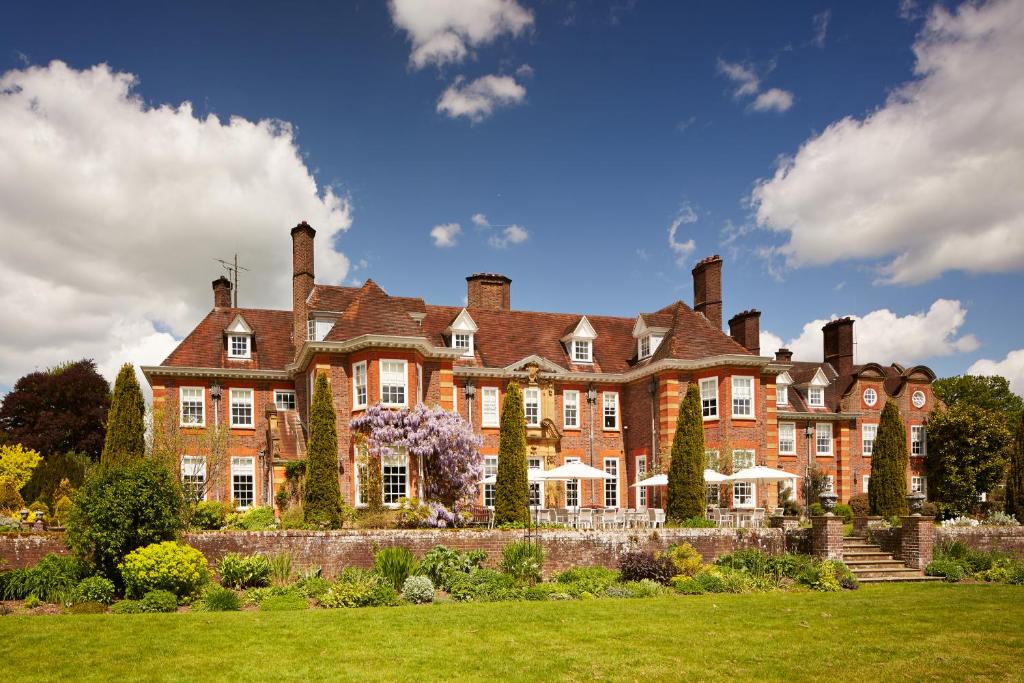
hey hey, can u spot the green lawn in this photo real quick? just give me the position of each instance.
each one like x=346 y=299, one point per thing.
x=897 y=632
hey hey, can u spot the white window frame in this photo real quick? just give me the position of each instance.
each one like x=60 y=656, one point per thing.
x=488 y=394
x=753 y=398
x=917 y=440
x=570 y=398
x=586 y=345
x=243 y=466
x=404 y=384
x=193 y=473
x=864 y=483
x=919 y=484
x=531 y=397
x=251 y=404
x=781 y=394
x=744 y=494
x=247 y=338
x=202 y=406
x=791 y=450
x=914 y=397
x=490 y=468
x=745 y=452
x=572 y=488
x=867 y=446
x=358 y=368
x=284 y=392
x=614 y=395
x=467 y=349
x=643 y=349
x=819 y=430
x=709 y=398
x=611 y=486
x=641 y=474
x=311 y=330
x=359 y=471
x=830 y=483
x=536 y=488
x=874 y=397
x=818 y=392
x=399 y=459
x=708 y=459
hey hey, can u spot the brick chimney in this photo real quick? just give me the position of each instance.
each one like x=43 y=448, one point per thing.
x=707 y=289
x=784 y=355
x=838 y=339
x=745 y=328
x=489 y=290
x=222 y=292
x=302 y=279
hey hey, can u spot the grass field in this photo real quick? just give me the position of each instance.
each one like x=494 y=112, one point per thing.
x=879 y=633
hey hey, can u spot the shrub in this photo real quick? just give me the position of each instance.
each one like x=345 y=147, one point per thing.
x=711 y=581
x=694 y=523
x=257 y=518
x=817 y=509
x=127 y=607
x=395 y=564
x=256 y=596
x=687 y=585
x=87 y=607
x=685 y=559
x=929 y=509
x=1000 y=519
x=50 y=580
x=313 y=586
x=287 y=602
x=686 y=488
x=321 y=493
x=645 y=588
x=845 y=511
x=210 y=515
x=544 y=591
x=237 y=571
x=418 y=590
x=639 y=565
x=950 y=570
x=167 y=566
x=32 y=602
x=218 y=599
x=281 y=568
x=293 y=517
x=486 y=585
x=587 y=580
x=828 y=576
x=859 y=505
x=369 y=591
x=512 y=490
x=887 y=489
x=95 y=589
x=158 y=601
x=440 y=563
x=120 y=509
x=523 y=561
x=125 y=439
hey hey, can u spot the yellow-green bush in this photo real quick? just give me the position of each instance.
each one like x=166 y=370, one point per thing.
x=168 y=566
x=685 y=559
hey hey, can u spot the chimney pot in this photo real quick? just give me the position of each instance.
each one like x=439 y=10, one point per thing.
x=707 y=289
x=837 y=338
x=784 y=355
x=491 y=291
x=745 y=328
x=222 y=292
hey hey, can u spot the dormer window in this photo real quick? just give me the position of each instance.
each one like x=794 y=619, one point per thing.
x=461 y=332
x=582 y=351
x=648 y=344
x=238 y=346
x=816 y=397
x=310 y=330
x=464 y=341
x=782 y=383
x=647 y=336
x=318 y=328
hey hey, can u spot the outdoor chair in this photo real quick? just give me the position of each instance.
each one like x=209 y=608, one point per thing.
x=586 y=519
x=616 y=519
x=656 y=517
x=724 y=519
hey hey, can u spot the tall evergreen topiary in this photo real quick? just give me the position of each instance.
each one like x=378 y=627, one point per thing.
x=126 y=428
x=1015 y=476
x=512 y=489
x=686 y=488
x=322 y=497
x=887 y=489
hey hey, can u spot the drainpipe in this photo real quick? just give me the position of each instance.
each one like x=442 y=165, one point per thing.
x=652 y=388
x=592 y=402
x=215 y=394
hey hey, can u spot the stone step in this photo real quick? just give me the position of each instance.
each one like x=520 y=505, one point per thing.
x=875 y=564
x=894 y=572
x=861 y=546
x=867 y=555
x=897 y=579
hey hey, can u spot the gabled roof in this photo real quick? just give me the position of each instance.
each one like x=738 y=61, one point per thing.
x=656 y=323
x=463 y=323
x=204 y=346
x=581 y=329
x=330 y=298
x=238 y=326
x=372 y=311
x=691 y=336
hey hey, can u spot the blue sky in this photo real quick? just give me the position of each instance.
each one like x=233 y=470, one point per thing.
x=626 y=120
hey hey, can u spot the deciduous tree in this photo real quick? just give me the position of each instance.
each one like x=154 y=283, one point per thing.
x=512 y=488
x=126 y=428
x=686 y=488
x=887 y=488
x=987 y=392
x=1015 y=476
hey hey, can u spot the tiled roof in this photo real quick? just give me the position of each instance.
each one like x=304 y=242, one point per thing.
x=372 y=311
x=691 y=336
x=205 y=346
x=330 y=298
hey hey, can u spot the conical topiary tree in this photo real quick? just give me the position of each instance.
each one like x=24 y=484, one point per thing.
x=126 y=430
x=887 y=489
x=512 y=489
x=686 y=488
x=1015 y=476
x=322 y=496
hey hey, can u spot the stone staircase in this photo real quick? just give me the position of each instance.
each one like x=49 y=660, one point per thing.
x=870 y=564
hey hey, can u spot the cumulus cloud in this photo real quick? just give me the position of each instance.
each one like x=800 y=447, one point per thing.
x=747 y=83
x=883 y=337
x=510 y=234
x=930 y=182
x=682 y=250
x=444 y=31
x=820 y=22
x=1011 y=367
x=445 y=234
x=773 y=99
x=480 y=220
x=112 y=211
x=476 y=100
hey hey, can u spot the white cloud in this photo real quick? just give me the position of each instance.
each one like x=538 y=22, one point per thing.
x=444 y=31
x=931 y=181
x=480 y=220
x=682 y=250
x=476 y=100
x=525 y=71
x=820 y=22
x=883 y=337
x=511 y=234
x=745 y=78
x=112 y=212
x=445 y=234
x=1011 y=367
x=773 y=99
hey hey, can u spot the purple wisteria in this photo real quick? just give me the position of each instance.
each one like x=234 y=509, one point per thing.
x=442 y=440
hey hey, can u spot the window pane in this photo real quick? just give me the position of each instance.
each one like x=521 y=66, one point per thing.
x=709 y=397
x=536 y=492
x=787 y=437
x=489 y=415
x=192 y=405
x=243 y=478
x=823 y=433
x=742 y=396
x=712 y=461
x=611 y=486
x=641 y=474
x=571 y=404
x=393 y=382
x=868 y=434
x=741 y=459
x=241 y=407
x=359 y=384
x=531 y=406
x=490 y=469
x=284 y=400
x=611 y=410
x=781 y=395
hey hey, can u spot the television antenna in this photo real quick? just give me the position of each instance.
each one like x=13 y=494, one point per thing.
x=232 y=269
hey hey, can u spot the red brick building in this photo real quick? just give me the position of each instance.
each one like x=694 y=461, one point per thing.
x=600 y=389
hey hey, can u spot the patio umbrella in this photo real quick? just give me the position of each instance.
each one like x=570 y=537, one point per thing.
x=532 y=475
x=572 y=471
x=710 y=477
x=761 y=473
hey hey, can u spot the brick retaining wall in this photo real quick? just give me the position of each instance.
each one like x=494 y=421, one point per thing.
x=1008 y=538
x=25 y=550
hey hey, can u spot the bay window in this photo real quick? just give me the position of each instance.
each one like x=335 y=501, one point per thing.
x=394 y=380
x=709 y=397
